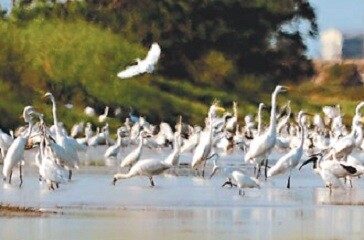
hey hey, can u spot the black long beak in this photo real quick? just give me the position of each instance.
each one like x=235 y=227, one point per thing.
x=312 y=159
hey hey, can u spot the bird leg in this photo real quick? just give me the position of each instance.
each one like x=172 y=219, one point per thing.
x=69 y=174
x=266 y=169
x=151 y=181
x=351 y=183
x=203 y=169
x=289 y=182
x=11 y=173
x=20 y=175
x=114 y=181
x=330 y=187
x=241 y=192
x=258 y=171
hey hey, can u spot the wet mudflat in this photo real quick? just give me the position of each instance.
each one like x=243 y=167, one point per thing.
x=182 y=206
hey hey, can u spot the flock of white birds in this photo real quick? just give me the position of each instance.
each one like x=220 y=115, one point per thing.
x=325 y=140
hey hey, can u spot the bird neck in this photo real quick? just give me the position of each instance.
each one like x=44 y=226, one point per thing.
x=235 y=109
x=55 y=119
x=106 y=111
x=358 y=107
x=210 y=127
x=141 y=139
x=259 y=120
x=118 y=140
x=27 y=135
x=302 y=126
x=124 y=175
x=273 y=123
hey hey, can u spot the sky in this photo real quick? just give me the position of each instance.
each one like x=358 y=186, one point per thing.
x=344 y=15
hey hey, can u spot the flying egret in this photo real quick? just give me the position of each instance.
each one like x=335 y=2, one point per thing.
x=290 y=160
x=143 y=66
x=263 y=144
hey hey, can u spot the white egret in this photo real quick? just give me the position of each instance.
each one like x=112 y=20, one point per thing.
x=77 y=129
x=290 y=160
x=100 y=138
x=16 y=150
x=89 y=111
x=258 y=161
x=204 y=147
x=88 y=134
x=143 y=66
x=49 y=170
x=152 y=167
x=330 y=170
x=70 y=159
x=345 y=145
x=318 y=122
x=263 y=144
x=226 y=170
x=332 y=111
x=145 y=167
x=244 y=181
x=231 y=123
x=193 y=140
x=173 y=157
x=103 y=117
x=27 y=111
x=5 y=142
x=113 y=150
x=283 y=122
x=134 y=156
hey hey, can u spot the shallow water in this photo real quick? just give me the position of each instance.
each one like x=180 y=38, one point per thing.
x=183 y=206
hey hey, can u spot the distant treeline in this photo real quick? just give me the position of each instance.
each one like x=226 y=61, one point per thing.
x=229 y=50
x=245 y=37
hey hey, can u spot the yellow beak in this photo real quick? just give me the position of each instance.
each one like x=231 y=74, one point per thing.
x=221 y=109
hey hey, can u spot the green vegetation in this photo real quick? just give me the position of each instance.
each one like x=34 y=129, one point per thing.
x=224 y=50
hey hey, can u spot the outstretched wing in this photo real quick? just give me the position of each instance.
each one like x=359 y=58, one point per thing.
x=153 y=54
x=129 y=72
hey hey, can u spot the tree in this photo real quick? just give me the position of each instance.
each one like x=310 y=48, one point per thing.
x=242 y=30
x=261 y=37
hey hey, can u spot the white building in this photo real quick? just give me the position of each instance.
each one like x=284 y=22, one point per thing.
x=331 y=45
